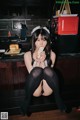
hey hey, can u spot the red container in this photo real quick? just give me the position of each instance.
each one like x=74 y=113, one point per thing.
x=68 y=25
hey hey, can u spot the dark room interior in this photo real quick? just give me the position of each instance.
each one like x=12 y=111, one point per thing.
x=17 y=19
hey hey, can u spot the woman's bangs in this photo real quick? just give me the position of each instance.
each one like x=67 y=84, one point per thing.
x=45 y=37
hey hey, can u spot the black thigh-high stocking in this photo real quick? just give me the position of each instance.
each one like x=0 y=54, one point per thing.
x=53 y=81
x=31 y=84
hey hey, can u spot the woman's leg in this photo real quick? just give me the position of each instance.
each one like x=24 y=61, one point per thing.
x=31 y=84
x=53 y=81
x=46 y=89
x=38 y=91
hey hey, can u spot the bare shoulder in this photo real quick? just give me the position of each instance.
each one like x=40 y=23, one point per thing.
x=28 y=61
x=27 y=55
x=53 y=55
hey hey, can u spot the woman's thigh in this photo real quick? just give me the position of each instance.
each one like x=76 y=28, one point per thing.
x=46 y=89
x=38 y=91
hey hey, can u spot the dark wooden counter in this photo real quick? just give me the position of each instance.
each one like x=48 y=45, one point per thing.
x=13 y=74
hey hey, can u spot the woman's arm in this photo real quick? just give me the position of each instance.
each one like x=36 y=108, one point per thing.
x=28 y=61
x=53 y=58
x=37 y=63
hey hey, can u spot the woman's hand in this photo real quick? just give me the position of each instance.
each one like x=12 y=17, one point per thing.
x=40 y=60
x=42 y=56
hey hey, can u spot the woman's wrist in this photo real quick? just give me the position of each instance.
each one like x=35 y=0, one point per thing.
x=36 y=63
x=39 y=64
x=52 y=65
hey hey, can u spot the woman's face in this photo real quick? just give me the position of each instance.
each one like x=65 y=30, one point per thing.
x=40 y=42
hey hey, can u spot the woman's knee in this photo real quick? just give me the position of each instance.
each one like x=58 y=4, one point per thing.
x=48 y=71
x=36 y=71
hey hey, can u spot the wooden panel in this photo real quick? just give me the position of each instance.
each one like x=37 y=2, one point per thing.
x=3 y=65
x=69 y=68
x=12 y=74
x=5 y=75
x=19 y=72
x=20 y=64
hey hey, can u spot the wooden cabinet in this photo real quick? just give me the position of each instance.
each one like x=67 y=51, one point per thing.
x=12 y=80
x=69 y=67
x=12 y=74
x=5 y=75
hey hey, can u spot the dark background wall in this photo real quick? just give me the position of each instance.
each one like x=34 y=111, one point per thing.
x=41 y=8
x=28 y=8
x=33 y=13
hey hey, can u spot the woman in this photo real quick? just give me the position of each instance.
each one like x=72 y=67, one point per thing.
x=39 y=61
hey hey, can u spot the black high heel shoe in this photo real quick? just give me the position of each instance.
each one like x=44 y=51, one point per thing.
x=24 y=112
x=67 y=110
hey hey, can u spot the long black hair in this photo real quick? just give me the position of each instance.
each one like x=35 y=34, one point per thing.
x=45 y=35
